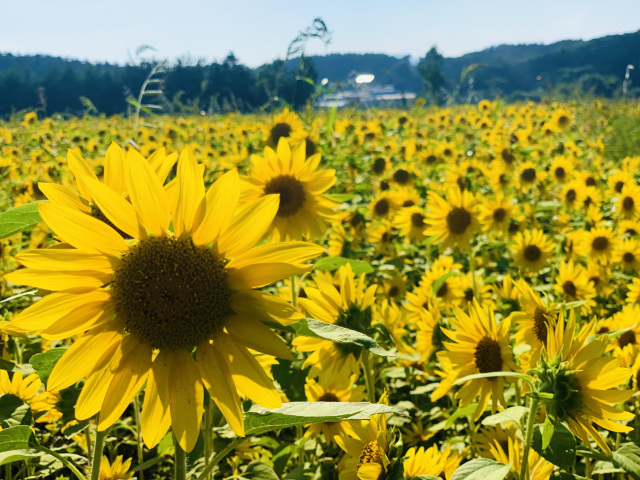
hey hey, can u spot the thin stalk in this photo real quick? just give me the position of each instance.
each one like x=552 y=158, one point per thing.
x=472 y=270
x=98 y=447
x=89 y=442
x=136 y=419
x=528 y=437
x=7 y=471
x=369 y=379
x=208 y=434
x=67 y=463
x=294 y=292
x=219 y=456
x=180 y=459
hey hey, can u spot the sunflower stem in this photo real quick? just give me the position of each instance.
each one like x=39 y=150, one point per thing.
x=528 y=436
x=89 y=442
x=472 y=270
x=219 y=456
x=67 y=463
x=294 y=292
x=369 y=378
x=180 y=460
x=208 y=434
x=136 y=418
x=98 y=447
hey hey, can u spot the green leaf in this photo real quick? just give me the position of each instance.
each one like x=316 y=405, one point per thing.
x=562 y=446
x=460 y=412
x=524 y=376
x=18 y=455
x=15 y=438
x=14 y=411
x=43 y=363
x=341 y=197
x=438 y=283
x=481 y=469
x=304 y=413
x=602 y=467
x=628 y=457
x=260 y=471
x=511 y=414
x=570 y=476
x=548 y=429
x=426 y=477
x=333 y=263
x=19 y=219
x=309 y=327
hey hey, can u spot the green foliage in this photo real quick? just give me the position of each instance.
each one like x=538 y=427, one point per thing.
x=561 y=450
x=19 y=219
x=43 y=363
x=481 y=469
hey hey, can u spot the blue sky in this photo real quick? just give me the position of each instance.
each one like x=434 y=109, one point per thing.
x=260 y=31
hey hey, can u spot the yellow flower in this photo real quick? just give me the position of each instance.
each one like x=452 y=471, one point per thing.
x=573 y=283
x=143 y=306
x=598 y=243
x=430 y=462
x=286 y=125
x=531 y=249
x=453 y=221
x=478 y=345
x=23 y=388
x=583 y=381
x=118 y=470
x=304 y=210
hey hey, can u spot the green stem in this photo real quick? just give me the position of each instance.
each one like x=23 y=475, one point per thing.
x=7 y=471
x=136 y=418
x=66 y=462
x=98 y=447
x=294 y=292
x=89 y=441
x=208 y=433
x=369 y=379
x=180 y=459
x=472 y=270
x=528 y=437
x=219 y=456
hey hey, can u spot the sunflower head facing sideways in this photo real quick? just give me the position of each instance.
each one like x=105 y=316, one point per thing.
x=303 y=212
x=185 y=283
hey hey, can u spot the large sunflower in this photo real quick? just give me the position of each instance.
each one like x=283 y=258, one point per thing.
x=142 y=307
x=453 y=221
x=531 y=249
x=304 y=210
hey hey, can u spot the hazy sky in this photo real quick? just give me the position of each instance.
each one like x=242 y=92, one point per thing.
x=260 y=31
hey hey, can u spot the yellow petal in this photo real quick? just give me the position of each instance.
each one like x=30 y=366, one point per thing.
x=265 y=307
x=129 y=376
x=186 y=396
x=115 y=208
x=156 y=417
x=114 y=168
x=148 y=196
x=64 y=197
x=217 y=378
x=254 y=334
x=370 y=471
x=81 y=230
x=50 y=280
x=248 y=227
x=55 y=306
x=190 y=194
x=82 y=356
x=220 y=205
x=294 y=253
x=68 y=259
x=261 y=274
x=97 y=384
x=80 y=320
x=247 y=373
x=81 y=170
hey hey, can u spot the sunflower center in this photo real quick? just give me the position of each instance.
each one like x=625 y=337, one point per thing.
x=408 y=203
x=468 y=294
x=381 y=207
x=279 y=131
x=170 y=293
x=431 y=159
x=569 y=288
x=291 y=192
x=618 y=186
x=458 y=220
x=499 y=214
x=628 y=203
x=393 y=291
x=328 y=397
x=540 y=325
x=370 y=454
x=507 y=156
x=571 y=195
x=528 y=175
x=563 y=121
x=417 y=220
x=628 y=257
x=379 y=165
x=600 y=243
x=532 y=253
x=487 y=355
x=627 y=338
x=560 y=173
x=442 y=291
x=401 y=176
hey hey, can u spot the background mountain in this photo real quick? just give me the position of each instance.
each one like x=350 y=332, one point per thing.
x=513 y=72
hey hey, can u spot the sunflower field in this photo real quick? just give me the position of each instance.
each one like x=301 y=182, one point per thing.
x=430 y=293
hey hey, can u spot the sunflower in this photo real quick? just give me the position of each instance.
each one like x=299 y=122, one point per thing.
x=561 y=169
x=629 y=202
x=411 y=224
x=573 y=283
x=561 y=119
x=511 y=452
x=626 y=345
x=118 y=470
x=528 y=175
x=384 y=205
x=598 y=243
x=143 y=306
x=286 y=125
x=431 y=462
x=633 y=295
x=496 y=214
x=618 y=180
x=337 y=387
x=304 y=211
x=573 y=195
x=583 y=382
x=627 y=255
x=531 y=249
x=24 y=388
x=478 y=344
x=453 y=221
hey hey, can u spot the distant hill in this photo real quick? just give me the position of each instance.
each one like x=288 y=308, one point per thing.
x=512 y=72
